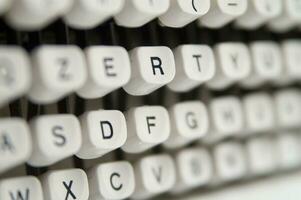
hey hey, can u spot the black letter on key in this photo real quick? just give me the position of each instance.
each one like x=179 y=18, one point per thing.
x=119 y=187
x=198 y=57
x=69 y=192
x=19 y=195
x=157 y=64
x=6 y=143
x=108 y=66
x=191 y=121
x=57 y=132
x=157 y=174
x=106 y=135
x=150 y=124
x=228 y=116
x=234 y=58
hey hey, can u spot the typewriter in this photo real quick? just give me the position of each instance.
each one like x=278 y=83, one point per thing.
x=150 y=99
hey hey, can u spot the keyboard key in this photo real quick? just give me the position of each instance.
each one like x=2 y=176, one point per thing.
x=195 y=65
x=189 y=122
x=112 y=180
x=103 y=131
x=223 y=12
x=291 y=52
x=288 y=108
x=194 y=169
x=55 y=137
x=21 y=188
x=267 y=63
x=65 y=184
x=152 y=68
x=288 y=146
x=108 y=69
x=87 y=14
x=233 y=64
x=154 y=175
x=226 y=117
x=183 y=12
x=289 y=18
x=36 y=14
x=259 y=113
x=58 y=71
x=15 y=73
x=230 y=161
x=148 y=126
x=261 y=155
x=139 y=12
x=15 y=143
x=259 y=12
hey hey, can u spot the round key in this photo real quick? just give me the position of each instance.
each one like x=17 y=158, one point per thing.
x=139 y=12
x=267 y=64
x=36 y=14
x=108 y=69
x=112 y=180
x=195 y=65
x=259 y=12
x=230 y=161
x=259 y=113
x=154 y=175
x=289 y=18
x=102 y=131
x=15 y=143
x=21 y=188
x=223 y=12
x=148 y=126
x=183 y=12
x=55 y=137
x=65 y=184
x=194 y=169
x=57 y=72
x=152 y=68
x=15 y=73
x=189 y=122
x=233 y=64
x=87 y=14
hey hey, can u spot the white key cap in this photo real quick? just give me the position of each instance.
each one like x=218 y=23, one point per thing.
x=288 y=146
x=15 y=143
x=267 y=63
x=65 y=184
x=226 y=117
x=194 y=169
x=259 y=12
x=103 y=131
x=86 y=14
x=289 y=18
x=223 y=12
x=15 y=73
x=5 y=5
x=112 y=180
x=230 y=161
x=21 y=188
x=195 y=65
x=233 y=63
x=288 y=108
x=148 y=126
x=55 y=137
x=261 y=155
x=183 y=12
x=291 y=51
x=152 y=68
x=154 y=175
x=108 y=69
x=189 y=121
x=58 y=71
x=259 y=113
x=36 y=14
x=139 y=12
